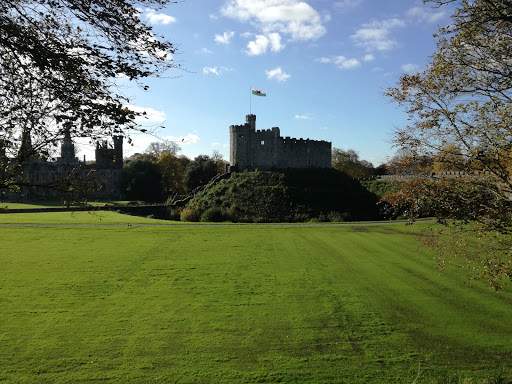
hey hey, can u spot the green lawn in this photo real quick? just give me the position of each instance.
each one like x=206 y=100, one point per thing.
x=77 y=218
x=114 y=303
x=9 y=205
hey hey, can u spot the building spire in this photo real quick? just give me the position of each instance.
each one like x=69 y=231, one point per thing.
x=67 y=148
x=26 y=151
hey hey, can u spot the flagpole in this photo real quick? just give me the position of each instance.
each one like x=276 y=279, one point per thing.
x=250 y=101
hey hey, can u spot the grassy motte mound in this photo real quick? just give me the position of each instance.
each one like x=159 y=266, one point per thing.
x=283 y=196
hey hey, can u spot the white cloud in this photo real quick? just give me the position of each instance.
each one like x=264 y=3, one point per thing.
x=225 y=38
x=346 y=4
x=189 y=138
x=205 y=51
x=277 y=74
x=262 y=43
x=410 y=68
x=424 y=14
x=211 y=71
x=302 y=117
x=151 y=116
x=368 y=57
x=246 y=35
x=275 y=42
x=324 y=60
x=341 y=62
x=376 y=35
x=155 y=18
x=295 y=19
x=215 y=71
x=258 y=46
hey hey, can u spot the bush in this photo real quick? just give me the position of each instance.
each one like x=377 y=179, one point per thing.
x=215 y=215
x=338 y=217
x=189 y=214
x=381 y=187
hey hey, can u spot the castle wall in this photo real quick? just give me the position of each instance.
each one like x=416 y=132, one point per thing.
x=266 y=149
x=50 y=180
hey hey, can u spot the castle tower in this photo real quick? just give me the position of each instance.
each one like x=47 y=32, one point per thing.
x=241 y=138
x=118 y=151
x=67 y=149
x=251 y=121
x=26 y=151
x=102 y=155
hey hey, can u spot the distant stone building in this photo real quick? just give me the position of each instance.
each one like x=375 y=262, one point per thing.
x=266 y=149
x=110 y=157
x=45 y=179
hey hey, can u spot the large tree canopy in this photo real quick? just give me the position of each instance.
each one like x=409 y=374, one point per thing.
x=460 y=115
x=59 y=60
x=463 y=99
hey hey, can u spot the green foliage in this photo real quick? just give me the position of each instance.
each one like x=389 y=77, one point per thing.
x=172 y=168
x=142 y=180
x=225 y=304
x=381 y=188
x=57 y=62
x=213 y=215
x=349 y=162
x=189 y=214
x=459 y=107
x=200 y=171
x=292 y=195
x=463 y=199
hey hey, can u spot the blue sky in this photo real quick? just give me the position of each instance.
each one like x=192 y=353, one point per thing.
x=325 y=65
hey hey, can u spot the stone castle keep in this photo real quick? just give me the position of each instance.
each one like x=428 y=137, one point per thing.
x=266 y=149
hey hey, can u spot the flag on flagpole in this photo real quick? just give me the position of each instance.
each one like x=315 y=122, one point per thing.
x=258 y=92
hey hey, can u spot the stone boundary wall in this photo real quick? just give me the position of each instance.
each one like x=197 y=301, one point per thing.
x=434 y=175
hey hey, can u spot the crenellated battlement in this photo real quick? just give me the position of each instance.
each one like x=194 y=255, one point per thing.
x=266 y=149
x=291 y=140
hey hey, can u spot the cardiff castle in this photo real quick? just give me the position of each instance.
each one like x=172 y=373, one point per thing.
x=47 y=179
x=266 y=149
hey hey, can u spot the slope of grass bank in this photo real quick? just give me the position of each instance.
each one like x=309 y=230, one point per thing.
x=231 y=304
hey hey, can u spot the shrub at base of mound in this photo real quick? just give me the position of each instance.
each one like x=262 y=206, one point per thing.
x=284 y=196
x=215 y=215
x=189 y=214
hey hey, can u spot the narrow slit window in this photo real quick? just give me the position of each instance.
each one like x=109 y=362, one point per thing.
x=262 y=142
